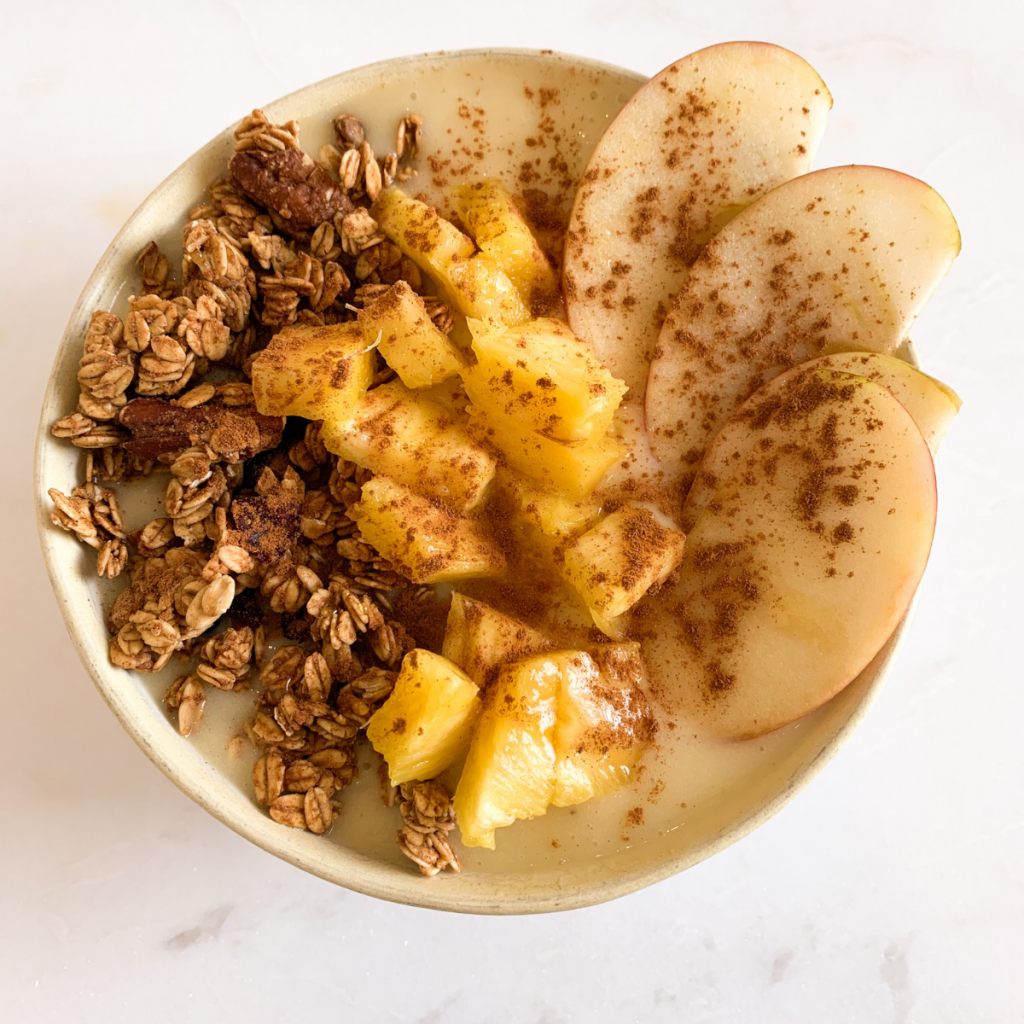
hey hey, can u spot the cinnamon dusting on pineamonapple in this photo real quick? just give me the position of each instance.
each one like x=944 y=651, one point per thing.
x=658 y=209
x=432 y=529
x=745 y=314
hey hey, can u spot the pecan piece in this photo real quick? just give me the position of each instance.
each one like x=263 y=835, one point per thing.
x=162 y=428
x=349 y=130
x=291 y=184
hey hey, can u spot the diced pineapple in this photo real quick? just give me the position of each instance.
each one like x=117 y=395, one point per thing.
x=603 y=724
x=427 y=723
x=474 y=284
x=479 y=288
x=401 y=434
x=613 y=565
x=426 y=539
x=429 y=240
x=491 y=216
x=460 y=335
x=414 y=348
x=545 y=377
x=450 y=395
x=573 y=470
x=554 y=516
x=480 y=639
x=316 y=372
x=541 y=520
x=510 y=769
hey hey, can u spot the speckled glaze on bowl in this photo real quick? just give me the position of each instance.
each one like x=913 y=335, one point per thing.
x=414 y=82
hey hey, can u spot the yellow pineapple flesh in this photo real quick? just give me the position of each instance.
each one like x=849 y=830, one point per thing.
x=614 y=564
x=543 y=376
x=479 y=288
x=492 y=217
x=450 y=395
x=553 y=518
x=428 y=541
x=426 y=725
x=572 y=470
x=603 y=721
x=480 y=639
x=472 y=282
x=419 y=443
x=509 y=772
x=315 y=372
x=413 y=347
x=429 y=240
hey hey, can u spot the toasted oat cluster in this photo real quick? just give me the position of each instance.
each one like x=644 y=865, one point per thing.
x=256 y=578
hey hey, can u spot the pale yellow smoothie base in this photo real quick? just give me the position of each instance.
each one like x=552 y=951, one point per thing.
x=492 y=102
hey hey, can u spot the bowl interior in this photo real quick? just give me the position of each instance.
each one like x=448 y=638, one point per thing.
x=534 y=117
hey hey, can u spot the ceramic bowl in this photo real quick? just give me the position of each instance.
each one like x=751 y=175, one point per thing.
x=493 y=98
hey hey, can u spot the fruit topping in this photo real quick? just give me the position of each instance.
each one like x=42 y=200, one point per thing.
x=400 y=433
x=843 y=258
x=694 y=146
x=799 y=568
x=480 y=639
x=315 y=372
x=556 y=728
x=409 y=341
x=425 y=725
x=544 y=377
x=425 y=538
x=491 y=215
x=614 y=564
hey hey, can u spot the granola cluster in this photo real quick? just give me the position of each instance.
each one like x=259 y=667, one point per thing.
x=255 y=535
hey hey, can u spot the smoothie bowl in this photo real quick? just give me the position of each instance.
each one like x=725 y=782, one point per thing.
x=400 y=517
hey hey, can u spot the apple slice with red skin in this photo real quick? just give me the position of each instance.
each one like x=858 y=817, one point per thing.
x=806 y=559
x=694 y=146
x=840 y=258
x=931 y=404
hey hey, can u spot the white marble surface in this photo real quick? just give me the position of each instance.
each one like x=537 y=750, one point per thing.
x=891 y=890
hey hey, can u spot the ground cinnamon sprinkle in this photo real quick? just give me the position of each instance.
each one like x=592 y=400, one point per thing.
x=281 y=519
x=267 y=524
x=799 y=428
x=645 y=538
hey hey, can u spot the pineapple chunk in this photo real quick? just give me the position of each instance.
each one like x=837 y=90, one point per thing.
x=613 y=565
x=554 y=516
x=316 y=372
x=574 y=470
x=429 y=240
x=480 y=639
x=479 y=288
x=474 y=284
x=460 y=336
x=491 y=216
x=510 y=769
x=422 y=536
x=426 y=724
x=450 y=395
x=414 y=348
x=545 y=377
x=403 y=435
x=603 y=722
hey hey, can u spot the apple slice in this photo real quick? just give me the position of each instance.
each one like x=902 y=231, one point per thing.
x=843 y=258
x=930 y=402
x=694 y=146
x=804 y=562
